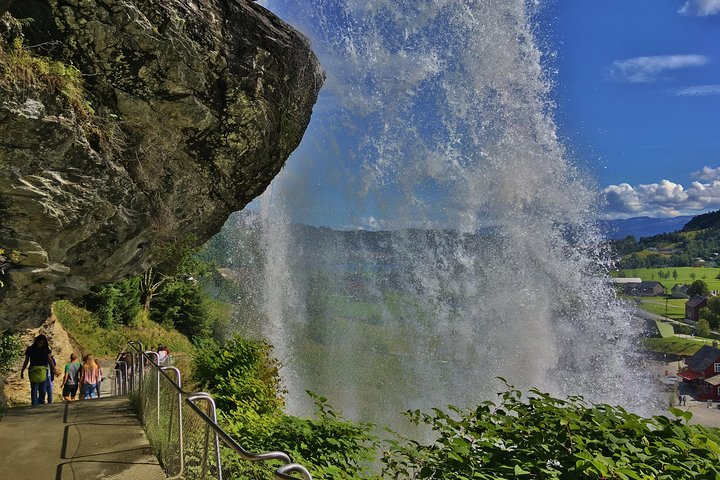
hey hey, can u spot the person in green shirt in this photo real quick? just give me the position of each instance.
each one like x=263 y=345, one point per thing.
x=70 y=380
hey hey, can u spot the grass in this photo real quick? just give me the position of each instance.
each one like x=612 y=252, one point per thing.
x=665 y=329
x=83 y=327
x=23 y=70
x=674 y=345
x=684 y=275
x=656 y=305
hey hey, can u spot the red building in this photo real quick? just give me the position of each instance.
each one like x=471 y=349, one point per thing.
x=693 y=306
x=703 y=372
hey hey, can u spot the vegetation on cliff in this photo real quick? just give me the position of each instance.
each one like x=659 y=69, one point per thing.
x=24 y=73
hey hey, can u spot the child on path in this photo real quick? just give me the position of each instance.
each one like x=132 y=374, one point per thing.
x=70 y=379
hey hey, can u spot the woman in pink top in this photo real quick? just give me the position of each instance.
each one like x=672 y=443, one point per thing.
x=89 y=374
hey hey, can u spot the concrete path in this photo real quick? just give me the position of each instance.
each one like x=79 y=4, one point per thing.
x=83 y=440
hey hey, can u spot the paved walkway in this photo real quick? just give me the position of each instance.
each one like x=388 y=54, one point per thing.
x=83 y=440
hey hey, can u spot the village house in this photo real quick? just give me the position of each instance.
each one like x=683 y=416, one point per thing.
x=644 y=289
x=679 y=290
x=693 y=306
x=703 y=373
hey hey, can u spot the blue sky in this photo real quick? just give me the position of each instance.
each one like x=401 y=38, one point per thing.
x=637 y=95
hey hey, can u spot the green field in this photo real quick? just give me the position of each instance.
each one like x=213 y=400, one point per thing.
x=675 y=345
x=657 y=305
x=684 y=275
x=665 y=329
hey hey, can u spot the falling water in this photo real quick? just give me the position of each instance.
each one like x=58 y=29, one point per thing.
x=436 y=128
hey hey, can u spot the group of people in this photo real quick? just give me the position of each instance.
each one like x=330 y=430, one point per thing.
x=84 y=376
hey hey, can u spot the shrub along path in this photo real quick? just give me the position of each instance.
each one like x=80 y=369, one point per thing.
x=93 y=439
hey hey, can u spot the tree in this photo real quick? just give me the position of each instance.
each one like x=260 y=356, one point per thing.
x=693 y=275
x=115 y=303
x=711 y=313
x=675 y=274
x=183 y=305
x=703 y=328
x=150 y=284
x=698 y=287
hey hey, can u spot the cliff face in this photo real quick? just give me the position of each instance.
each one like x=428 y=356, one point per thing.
x=189 y=108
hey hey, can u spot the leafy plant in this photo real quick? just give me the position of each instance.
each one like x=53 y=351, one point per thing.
x=244 y=380
x=23 y=70
x=544 y=437
x=10 y=350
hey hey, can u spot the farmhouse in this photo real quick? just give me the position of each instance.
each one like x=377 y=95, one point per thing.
x=703 y=373
x=644 y=289
x=679 y=289
x=693 y=306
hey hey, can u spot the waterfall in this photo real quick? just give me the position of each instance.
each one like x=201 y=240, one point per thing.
x=479 y=257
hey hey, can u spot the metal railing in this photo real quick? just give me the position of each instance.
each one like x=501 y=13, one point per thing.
x=186 y=436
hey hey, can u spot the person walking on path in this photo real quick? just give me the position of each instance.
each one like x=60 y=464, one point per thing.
x=684 y=399
x=39 y=356
x=99 y=379
x=49 y=382
x=70 y=379
x=89 y=378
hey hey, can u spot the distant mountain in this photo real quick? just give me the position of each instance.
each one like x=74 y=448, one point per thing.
x=644 y=226
x=701 y=222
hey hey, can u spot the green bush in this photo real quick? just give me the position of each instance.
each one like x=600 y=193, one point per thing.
x=545 y=437
x=10 y=350
x=703 y=328
x=243 y=378
x=683 y=329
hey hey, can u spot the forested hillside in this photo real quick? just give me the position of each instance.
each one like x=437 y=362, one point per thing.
x=698 y=240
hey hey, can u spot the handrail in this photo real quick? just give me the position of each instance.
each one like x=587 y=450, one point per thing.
x=180 y=420
x=210 y=419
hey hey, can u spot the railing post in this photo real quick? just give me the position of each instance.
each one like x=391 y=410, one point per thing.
x=180 y=419
x=156 y=363
x=212 y=414
x=115 y=384
x=139 y=348
x=123 y=377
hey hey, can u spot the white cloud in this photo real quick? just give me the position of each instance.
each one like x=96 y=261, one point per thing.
x=666 y=198
x=708 y=174
x=366 y=223
x=700 y=90
x=649 y=69
x=700 y=8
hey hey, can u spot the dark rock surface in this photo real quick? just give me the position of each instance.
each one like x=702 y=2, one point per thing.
x=197 y=104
